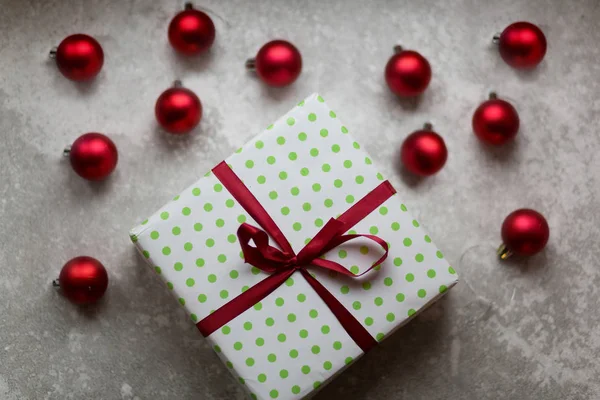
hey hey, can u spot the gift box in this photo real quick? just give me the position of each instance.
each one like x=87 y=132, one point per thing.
x=294 y=256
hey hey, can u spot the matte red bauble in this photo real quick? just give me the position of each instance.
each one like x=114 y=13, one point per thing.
x=277 y=63
x=79 y=57
x=522 y=45
x=424 y=152
x=178 y=110
x=191 y=31
x=407 y=73
x=495 y=121
x=93 y=156
x=524 y=232
x=83 y=280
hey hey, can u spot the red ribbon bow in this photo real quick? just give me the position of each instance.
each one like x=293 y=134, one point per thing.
x=281 y=264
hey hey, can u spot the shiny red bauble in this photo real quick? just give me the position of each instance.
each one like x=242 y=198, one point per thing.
x=93 y=156
x=407 y=73
x=495 y=121
x=79 y=57
x=191 y=31
x=178 y=110
x=277 y=63
x=522 y=45
x=524 y=232
x=83 y=280
x=424 y=152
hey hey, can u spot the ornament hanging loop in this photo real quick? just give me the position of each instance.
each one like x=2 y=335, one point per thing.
x=427 y=126
x=496 y=38
x=53 y=52
x=56 y=283
x=398 y=49
x=251 y=64
x=67 y=151
x=188 y=6
x=177 y=83
x=493 y=96
x=503 y=252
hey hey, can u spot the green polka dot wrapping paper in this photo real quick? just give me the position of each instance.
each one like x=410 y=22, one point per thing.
x=304 y=169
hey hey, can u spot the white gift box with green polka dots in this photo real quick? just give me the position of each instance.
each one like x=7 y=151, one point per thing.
x=304 y=169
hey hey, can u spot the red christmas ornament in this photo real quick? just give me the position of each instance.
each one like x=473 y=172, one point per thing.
x=79 y=57
x=495 y=121
x=191 y=31
x=178 y=110
x=424 y=152
x=524 y=232
x=522 y=45
x=277 y=63
x=407 y=73
x=83 y=280
x=93 y=156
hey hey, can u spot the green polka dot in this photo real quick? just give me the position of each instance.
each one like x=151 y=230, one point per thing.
x=170 y=285
x=202 y=298
x=427 y=238
x=349 y=199
x=332 y=114
x=283 y=175
x=328 y=203
x=226 y=330
x=210 y=242
x=364 y=250
x=304 y=171
x=166 y=250
x=229 y=364
x=379 y=176
x=356 y=305
x=373 y=230
x=314 y=152
x=144 y=222
x=335 y=148
x=347 y=164
x=397 y=261
x=342 y=253
x=366 y=285
x=238 y=345
x=301 y=297
x=255 y=271
x=295 y=389
x=178 y=266
x=411 y=312
x=403 y=207
x=249 y=164
x=395 y=226
x=270 y=160
x=421 y=293
x=220 y=223
x=231 y=238
x=407 y=242
x=261 y=378
x=158 y=270
x=302 y=136
x=258 y=306
x=297 y=226
x=306 y=207
x=313 y=313
x=259 y=144
x=222 y=258
x=293 y=353
x=241 y=218
x=303 y=333
x=208 y=207
x=164 y=215
x=324 y=132
x=443 y=288
x=194 y=317
x=326 y=167
x=431 y=273
x=356 y=145
x=261 y=179
x=260 y=341
x=176 y=230
x=378 y=301
x=293 y=156
x=327 y=365
x=217 y=348
x=451 y=270
x=345 y=289
x=312 y=117
x=279 y=301
x=337 y=345
x=368 y=321
x=410 y=277
x=190 y=282
x=338 y=183
x=379 y=337
x=315 y=349
x=212 y=278
x=305 y=369
x=272 y=357
x=320 y=99
x=368 y=161
x=439 y=254
x=318 y=222
x=388 y=281
x=249 y=361
x=198 y=226
x=354 y=269
x=316 y=187
x=273 y=195
x=290 y=121
x=289 y=282
x=284 y=373
x=325 y=329
x=154 y=235
x=269 y=321
x=285 y=210
x=390 y=317
x=182 y=301
x=291 y=317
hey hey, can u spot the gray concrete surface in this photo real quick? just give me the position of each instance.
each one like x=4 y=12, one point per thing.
x=518 y=330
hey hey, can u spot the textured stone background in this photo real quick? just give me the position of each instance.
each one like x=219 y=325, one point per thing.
x=517 y=330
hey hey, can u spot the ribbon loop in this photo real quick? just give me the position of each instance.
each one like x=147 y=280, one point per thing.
x=263 y=256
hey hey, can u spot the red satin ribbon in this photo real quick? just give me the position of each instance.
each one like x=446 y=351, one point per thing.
x=281 y=264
